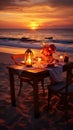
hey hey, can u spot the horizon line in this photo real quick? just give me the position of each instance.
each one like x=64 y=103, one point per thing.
x=36 y=29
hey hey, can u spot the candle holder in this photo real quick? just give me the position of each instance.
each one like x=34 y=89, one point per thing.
x=66 y=59
x=28 y=58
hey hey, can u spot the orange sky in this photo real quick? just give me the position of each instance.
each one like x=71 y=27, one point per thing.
x=36 y=14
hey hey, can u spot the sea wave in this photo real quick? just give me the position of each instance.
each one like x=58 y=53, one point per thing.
x=24 y=42
x=63 y=41
x=50 y=39
x=23 y=39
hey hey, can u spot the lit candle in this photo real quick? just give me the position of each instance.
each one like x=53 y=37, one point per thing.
x=61 y=58
x=29 y=62
x=39 y=60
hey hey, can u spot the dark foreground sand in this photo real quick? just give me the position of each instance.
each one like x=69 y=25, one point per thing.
x=22 y=116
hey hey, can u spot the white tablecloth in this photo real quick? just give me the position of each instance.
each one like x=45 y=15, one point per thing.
x=56 y=73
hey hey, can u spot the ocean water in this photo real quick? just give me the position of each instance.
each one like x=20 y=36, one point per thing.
x=21 y=38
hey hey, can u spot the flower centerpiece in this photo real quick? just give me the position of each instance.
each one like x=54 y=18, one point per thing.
x=48 y=51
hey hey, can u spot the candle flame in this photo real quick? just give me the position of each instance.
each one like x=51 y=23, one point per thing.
x=61 y=57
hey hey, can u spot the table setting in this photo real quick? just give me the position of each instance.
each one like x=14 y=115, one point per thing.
x=37 y=69
x=44 y=61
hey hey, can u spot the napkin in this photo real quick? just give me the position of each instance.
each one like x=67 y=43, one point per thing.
x=56 y=73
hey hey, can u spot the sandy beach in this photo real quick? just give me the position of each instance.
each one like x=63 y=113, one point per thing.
x=45 y=27
x=22 y=116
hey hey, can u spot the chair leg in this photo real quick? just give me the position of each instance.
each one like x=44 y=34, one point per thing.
x=49 y=98
x=21 y=84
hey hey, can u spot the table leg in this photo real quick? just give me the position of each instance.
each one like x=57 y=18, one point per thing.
x=36 y=99
x=12 y=89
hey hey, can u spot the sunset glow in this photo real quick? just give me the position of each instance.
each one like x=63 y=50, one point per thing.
x=36 y=14
x=33 y=25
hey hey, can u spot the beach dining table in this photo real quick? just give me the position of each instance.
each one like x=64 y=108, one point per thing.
x=35 y=75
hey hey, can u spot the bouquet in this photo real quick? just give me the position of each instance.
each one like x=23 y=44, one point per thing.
x=48 y=50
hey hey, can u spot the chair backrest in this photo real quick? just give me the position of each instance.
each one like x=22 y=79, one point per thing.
x=69 y=82
x=70 y=73
x=17 y=58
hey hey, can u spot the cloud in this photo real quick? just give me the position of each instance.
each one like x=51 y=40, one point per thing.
x=55 y=3
x=58 y=3
x=16 y=5
x=12 y=4
x=5 y=4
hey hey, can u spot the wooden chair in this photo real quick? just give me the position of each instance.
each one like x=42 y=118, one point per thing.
x=16 y=59
x=63 y=89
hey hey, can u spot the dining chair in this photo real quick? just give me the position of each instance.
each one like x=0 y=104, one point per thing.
x=63 y=89
x=17 y=60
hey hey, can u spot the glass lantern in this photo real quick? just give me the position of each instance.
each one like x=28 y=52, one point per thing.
x=28 y=58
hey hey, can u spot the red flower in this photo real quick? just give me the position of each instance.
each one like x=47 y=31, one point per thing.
x=48 y=49
x=52 y=47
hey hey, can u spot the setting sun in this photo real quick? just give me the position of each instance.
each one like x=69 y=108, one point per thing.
x=33 y=25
